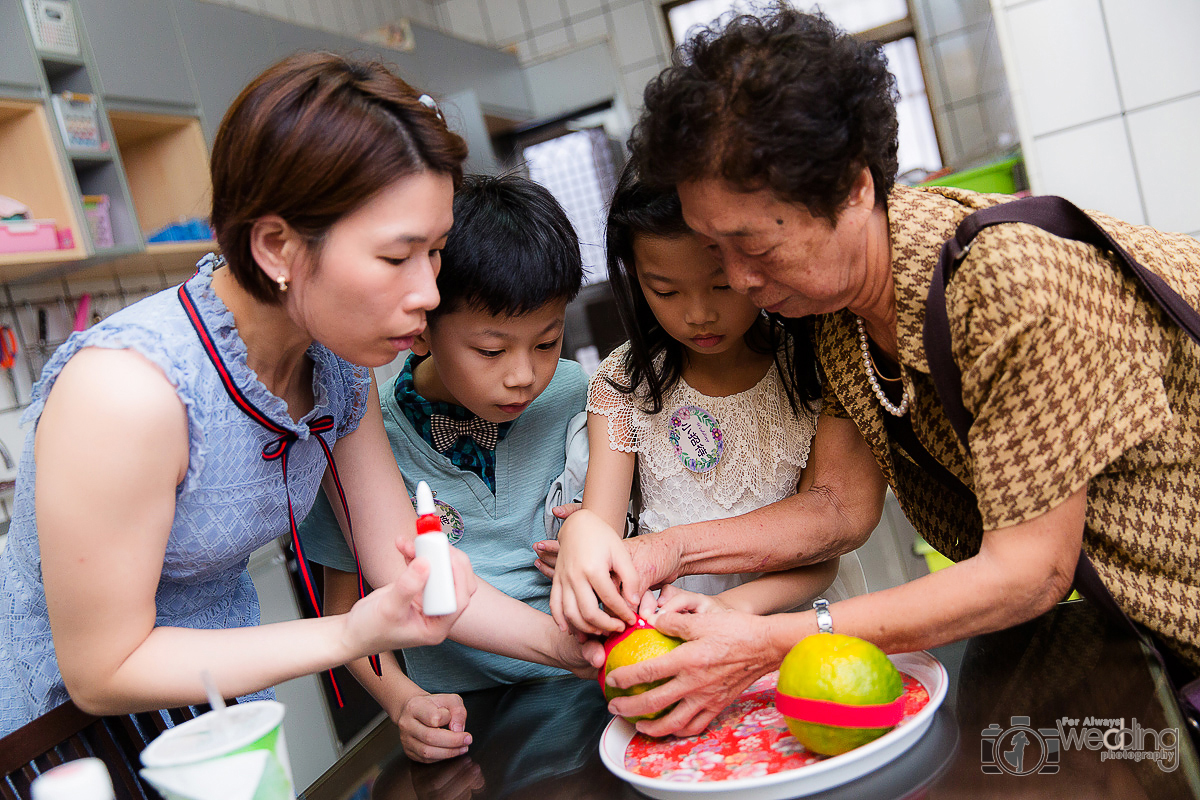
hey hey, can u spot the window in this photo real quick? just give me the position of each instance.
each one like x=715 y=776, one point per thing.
x=885 y=21
x=580 y=171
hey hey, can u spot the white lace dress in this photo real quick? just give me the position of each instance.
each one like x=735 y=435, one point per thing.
x=766 y=446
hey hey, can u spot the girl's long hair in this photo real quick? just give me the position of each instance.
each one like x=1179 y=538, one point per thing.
x=639 y=209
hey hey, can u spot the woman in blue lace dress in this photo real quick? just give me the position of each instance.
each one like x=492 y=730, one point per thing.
x=174 y=438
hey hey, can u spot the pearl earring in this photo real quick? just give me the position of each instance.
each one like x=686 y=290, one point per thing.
x=282 y=281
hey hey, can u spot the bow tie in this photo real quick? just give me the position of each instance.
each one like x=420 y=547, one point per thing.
x=447 y=431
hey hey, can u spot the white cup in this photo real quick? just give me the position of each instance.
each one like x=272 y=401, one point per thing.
x=240 y=757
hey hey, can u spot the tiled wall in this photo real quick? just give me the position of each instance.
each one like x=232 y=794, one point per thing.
x=965 y=75
x=350 y=17
x=964 y=71
x=1107 y=94
x=19 y=309
x=965 y=78
x=541 y=29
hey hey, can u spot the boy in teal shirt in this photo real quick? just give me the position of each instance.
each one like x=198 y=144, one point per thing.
x=481 y=412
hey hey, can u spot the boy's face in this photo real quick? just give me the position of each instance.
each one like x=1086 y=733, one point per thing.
x=494 y=366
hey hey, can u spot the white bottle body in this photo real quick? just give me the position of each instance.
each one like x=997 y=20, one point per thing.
x=83 y=779
x=438 y=599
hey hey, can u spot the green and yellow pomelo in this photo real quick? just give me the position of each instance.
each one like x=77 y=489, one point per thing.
x=638 y=645
x=840 y=669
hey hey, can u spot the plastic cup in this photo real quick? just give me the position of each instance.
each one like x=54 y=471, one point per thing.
x=241 y=757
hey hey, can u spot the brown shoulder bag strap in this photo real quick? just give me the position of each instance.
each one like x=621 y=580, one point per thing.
x=1054 y=215
x=1062 y=218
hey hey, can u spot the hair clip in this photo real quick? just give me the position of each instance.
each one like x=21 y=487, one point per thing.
x=432 y=105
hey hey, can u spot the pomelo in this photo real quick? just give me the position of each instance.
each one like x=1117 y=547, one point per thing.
x=638 y=643
x=840 y=669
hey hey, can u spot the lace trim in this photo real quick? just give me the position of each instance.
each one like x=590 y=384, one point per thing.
x=762 y=433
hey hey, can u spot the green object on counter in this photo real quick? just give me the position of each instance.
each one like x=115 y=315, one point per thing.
x=995 y=177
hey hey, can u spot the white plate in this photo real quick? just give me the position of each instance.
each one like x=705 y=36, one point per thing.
x=796 y=782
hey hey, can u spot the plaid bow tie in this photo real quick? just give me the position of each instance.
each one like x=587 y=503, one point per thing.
x=447 y=431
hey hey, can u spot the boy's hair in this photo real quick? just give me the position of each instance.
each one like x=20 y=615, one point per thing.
x=640 y=209
x=512 y=249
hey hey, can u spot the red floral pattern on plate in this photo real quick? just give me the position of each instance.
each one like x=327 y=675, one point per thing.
x=748 y=739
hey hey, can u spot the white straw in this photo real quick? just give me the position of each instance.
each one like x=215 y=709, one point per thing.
x=215 y=700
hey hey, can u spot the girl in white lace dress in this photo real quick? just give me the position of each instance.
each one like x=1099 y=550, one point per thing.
x=695 y=405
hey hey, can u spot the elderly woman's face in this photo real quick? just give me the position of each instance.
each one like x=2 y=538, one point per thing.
x=785 y=259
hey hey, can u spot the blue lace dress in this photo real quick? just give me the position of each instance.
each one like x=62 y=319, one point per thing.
x=230 y=503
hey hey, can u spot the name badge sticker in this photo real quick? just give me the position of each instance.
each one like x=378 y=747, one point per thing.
x=697 y=438
x=452 y=521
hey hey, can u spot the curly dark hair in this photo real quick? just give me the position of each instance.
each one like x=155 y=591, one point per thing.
x=787 y=102
x=641 y=210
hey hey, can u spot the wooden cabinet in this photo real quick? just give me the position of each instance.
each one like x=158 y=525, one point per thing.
x=137 y=52
x=18 y=69
x=226 y=48
x=37 y=179
x=151 y=169
x=163 y=73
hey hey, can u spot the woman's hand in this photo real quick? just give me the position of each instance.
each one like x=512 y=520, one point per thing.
x=391 y=618
x=593 y=566
x=433 y=727
x=722 y=654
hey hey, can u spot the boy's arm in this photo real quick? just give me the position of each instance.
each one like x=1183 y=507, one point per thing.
x=432 y=727
x=781 y=591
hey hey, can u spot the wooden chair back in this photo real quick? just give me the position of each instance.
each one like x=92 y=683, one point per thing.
x=67 y=733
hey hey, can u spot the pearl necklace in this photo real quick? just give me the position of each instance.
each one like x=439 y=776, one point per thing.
x=894 y=410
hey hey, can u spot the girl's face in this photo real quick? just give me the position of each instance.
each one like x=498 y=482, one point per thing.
x=686 y=289
x=367 y=296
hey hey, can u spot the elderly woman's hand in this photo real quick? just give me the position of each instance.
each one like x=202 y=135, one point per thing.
x=722 y=655
x=656 y=557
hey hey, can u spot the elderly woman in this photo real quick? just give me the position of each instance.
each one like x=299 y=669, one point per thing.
x=780 y=135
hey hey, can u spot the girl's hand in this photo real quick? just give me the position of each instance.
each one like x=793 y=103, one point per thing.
x=433 y=727
x=390 y=618
x=721 y=655
x=593 y=566
x=547 y=556
x=680 y=601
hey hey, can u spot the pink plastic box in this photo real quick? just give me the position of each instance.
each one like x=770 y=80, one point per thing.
x=22 y=236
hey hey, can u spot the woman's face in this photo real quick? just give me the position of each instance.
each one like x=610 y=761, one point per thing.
x=367 y=296
x=783 y=258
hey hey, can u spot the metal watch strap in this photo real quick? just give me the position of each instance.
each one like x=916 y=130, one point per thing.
x=824 y=619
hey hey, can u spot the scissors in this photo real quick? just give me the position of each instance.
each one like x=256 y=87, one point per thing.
x=8 y=347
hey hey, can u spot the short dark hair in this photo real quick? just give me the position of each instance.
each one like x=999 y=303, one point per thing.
x=787 y=102
x=312 y=139
x=512 y=249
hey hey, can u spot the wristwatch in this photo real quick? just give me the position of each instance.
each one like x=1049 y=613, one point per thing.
x=824 y=620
